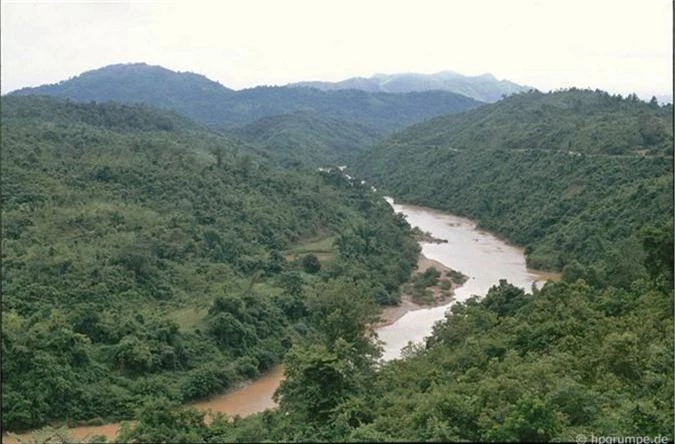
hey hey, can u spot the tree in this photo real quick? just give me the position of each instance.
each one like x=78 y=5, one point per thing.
x=161 y=420
x=337 y=360
x=573 y=271
x=340 y=309
x=316 y=381
x=277 y=262
x=311 y=264
x=504 y=299
x=530 y=420
x=133 y=355
x=231 y=333
x=657 y=242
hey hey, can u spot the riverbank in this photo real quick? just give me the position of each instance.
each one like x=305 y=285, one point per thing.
x=63 y=434
x=392 y=314
x=247 y=398
x=250 y=397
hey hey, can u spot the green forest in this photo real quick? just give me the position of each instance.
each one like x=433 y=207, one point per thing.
x=591 y=354
x=572 y=175
x=570 y=359
x=149 y=261
x=144 y=257
x=309 y=139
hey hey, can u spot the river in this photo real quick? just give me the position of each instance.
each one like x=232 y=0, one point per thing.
x=482 y=256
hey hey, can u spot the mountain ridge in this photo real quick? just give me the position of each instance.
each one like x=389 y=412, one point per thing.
x=210 y=103
x=484 y=87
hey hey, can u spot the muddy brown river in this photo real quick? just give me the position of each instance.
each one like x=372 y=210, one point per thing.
x=480 y=255
x=483 y=257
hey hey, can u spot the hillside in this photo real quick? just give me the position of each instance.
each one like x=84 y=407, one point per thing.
x=572 y=175
x=212 y=104
x=383 y=111
x=308 y=138
x=485 y=87
x=591 y=355
x=145 y=257
x=580 y=121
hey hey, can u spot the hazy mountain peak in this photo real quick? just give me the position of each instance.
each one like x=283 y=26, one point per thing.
x=448 y=73
x=134 y=73
x=487 y=76
x=483 y=87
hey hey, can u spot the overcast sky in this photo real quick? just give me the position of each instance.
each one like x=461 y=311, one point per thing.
x=617 y=45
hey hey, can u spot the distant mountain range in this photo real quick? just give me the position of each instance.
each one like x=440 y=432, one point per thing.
x=211 y=103
x=664 y=98
x=485 y=87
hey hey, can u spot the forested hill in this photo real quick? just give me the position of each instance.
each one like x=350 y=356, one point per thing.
x=146 y=257
x=579 y=121
x=187 y=93
x=304 y=137
x=212 y=104
x=116 y=117
x=571 y=175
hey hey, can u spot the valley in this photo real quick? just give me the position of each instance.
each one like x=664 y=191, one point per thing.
x=170 y=243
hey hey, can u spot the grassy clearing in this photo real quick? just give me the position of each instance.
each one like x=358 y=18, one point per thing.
x=322 y=247
x=188 y=317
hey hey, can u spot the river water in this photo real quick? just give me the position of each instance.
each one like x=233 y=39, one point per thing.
x=480 y=255
x=483 y=257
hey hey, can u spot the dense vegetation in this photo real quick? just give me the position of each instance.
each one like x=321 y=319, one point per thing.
x=571 y=175
x=484 y=87
x=148 y=262
x=573 y=358
x=577 y=121
x=212 y=104
x=145 y=257
x=308 y=138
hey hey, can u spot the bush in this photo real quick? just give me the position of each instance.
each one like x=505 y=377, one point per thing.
x=311 y=264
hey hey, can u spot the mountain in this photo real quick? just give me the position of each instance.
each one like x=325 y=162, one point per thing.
x=383 y=111
x=665 y=99
x=145 y=257
x=485 y=87
x=571 y=175
x=210 y=103
x=308 y=138
x=190 y=94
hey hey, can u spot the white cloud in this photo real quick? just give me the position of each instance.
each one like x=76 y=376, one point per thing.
x=620 y=46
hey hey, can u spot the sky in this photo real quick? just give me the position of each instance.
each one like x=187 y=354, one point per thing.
x=620 y=46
